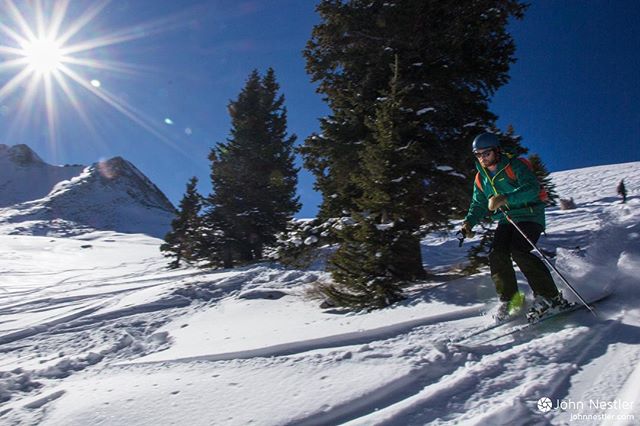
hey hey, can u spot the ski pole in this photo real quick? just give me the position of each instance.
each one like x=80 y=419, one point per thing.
x=548 y=263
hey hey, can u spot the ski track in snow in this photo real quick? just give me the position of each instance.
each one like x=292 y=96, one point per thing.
x=106 y=334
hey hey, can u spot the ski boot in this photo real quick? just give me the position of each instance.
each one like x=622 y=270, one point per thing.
x=544 y=306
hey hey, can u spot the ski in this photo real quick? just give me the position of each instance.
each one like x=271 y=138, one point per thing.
x=529 y=325
x=509 y=321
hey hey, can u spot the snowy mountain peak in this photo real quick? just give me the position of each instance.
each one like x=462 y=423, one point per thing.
x=20 y=154
x=118 y=173
x=116 y=167
x=109 y=195
x=25 y=177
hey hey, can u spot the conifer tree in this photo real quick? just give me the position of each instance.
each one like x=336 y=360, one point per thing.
x=253 y=176
x=545 y=180
x=452 y=57
x=363 y=267
x=511 y=143
x=371 y=263
x=183 y=241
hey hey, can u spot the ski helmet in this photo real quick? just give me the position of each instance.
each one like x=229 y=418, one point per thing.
x=485 y=141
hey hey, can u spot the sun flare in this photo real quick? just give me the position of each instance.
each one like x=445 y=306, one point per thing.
x=43 y=56
x=47 y=55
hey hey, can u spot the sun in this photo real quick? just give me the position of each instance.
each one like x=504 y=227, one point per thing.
x=43 y=55
x=48 y=57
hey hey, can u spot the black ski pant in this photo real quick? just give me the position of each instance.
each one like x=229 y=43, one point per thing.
x=509 y=244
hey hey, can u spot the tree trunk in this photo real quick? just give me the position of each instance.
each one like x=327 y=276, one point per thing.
x=408 y=264
x=227 y=258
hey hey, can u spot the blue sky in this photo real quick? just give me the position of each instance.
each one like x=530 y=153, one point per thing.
x=574 y=93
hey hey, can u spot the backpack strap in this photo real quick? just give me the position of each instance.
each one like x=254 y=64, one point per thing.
x=526 y=162
x=478 y=182
x=509 y=170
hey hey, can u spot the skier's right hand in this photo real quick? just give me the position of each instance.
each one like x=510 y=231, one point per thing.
x=467 y=230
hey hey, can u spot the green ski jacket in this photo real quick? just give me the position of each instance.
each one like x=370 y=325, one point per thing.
x=523 y=194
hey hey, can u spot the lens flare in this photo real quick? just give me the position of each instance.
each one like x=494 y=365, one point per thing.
x=47 y=54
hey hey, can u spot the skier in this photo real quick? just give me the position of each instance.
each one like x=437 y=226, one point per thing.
x=622 y=191
x=507 y=184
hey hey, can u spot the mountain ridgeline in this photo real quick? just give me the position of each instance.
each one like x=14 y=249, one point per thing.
x=42 y=199
x=25 y=177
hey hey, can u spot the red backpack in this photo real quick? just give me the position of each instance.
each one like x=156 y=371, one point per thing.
x=543 y=195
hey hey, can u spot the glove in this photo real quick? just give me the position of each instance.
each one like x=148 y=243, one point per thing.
x=467 y=230
x=497 y=201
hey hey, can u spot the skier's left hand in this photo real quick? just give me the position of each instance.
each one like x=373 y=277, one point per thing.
x=497 y=201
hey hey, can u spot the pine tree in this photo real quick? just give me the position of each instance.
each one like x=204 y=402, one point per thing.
x=253 y=176
x=511 y=143
x=371 y=264
x=545 y=180
x=183 y=241
x=452 y=57
x=363 y=266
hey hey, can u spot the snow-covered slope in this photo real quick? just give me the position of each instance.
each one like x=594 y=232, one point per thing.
x=95 y=330
x=109 y=195
x=25 y=177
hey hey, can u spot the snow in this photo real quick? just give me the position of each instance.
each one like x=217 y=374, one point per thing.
x=24 y=176
x=41 y=199
x=311 y=240
x=445 y=168
x=425 y=110
x=385 y=226
x=95 y=330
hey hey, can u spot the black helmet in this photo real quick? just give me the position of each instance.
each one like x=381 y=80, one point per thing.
x=485 y=141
